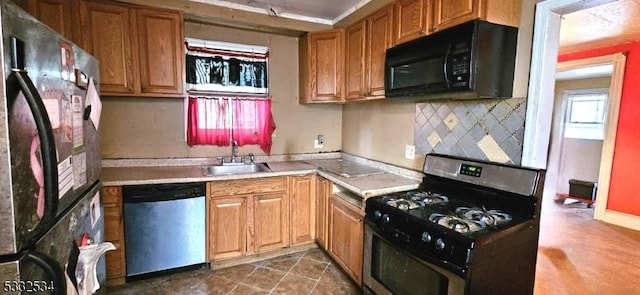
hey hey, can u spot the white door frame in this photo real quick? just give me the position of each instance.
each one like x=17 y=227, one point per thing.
x=541 y=96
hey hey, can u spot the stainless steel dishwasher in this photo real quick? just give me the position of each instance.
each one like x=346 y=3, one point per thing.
x=164 y=228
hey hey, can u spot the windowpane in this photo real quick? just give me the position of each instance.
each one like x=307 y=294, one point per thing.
x=586 y=111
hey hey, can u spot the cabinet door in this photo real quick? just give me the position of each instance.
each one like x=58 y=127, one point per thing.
x=379 y=38
x=412 y=19
x=107 y=35
x=323 y=192
x=56 y=14
x=114 y=233
x=346 y=233
x=355 y=42
x=448 y=13
x=269 y=229
x=326 y=65
x=302 y=200
x=161 y=53
x=227 y=227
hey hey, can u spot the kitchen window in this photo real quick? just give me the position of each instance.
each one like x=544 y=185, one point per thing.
x=219 y=77
x=586 y=113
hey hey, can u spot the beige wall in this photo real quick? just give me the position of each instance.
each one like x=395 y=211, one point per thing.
x=380 y=130
x=154 y=128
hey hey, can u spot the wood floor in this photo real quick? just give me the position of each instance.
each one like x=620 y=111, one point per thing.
x=578 y=255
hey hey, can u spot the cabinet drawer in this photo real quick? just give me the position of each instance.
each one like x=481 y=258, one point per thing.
x=247 y=186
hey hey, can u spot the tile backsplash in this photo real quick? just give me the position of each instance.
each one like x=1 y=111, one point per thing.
x=490 y=129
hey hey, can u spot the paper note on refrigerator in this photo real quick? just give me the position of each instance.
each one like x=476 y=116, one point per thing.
x=93 y=102
x=53 y=110
x=65 y=177
x=79 y=162
x=78 y=123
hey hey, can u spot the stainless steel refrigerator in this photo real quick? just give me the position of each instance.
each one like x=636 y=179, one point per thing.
x=49 y=156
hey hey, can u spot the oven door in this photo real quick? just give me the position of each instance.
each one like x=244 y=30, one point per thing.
x=391 y=270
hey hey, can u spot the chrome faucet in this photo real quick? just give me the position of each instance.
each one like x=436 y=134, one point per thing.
x=234 y=151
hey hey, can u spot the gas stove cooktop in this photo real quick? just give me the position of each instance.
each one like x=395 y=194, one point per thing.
x=438 y=209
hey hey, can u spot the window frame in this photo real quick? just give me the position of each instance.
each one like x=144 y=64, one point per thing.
x=585 y=130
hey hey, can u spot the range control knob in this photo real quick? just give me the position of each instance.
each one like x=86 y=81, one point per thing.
x=426 y=237
x=377 y=214
x=385 y=218
x=439 y=244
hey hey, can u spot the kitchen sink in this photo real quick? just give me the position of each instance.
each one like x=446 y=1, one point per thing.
x=215 y=170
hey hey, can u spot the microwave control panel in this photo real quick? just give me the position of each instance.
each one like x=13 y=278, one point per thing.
x=459 y=65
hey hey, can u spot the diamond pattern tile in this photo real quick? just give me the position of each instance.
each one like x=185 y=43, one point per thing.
x=456 y=127
x=434 y=139
x=451 y=121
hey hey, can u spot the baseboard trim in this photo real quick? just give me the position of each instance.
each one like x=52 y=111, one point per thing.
x=621 y=219
x=260 y=256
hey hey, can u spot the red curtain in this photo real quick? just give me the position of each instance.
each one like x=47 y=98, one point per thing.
x=253 y=123
x=209 y=124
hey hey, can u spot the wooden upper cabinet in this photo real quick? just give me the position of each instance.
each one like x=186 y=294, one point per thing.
x=412 y=19
x=140 y=49
x=355 y=55
x=107 y=36
x=56 y=14
x=160 y=51
x=416 y=18
x=448 y=13
x=379 y=39
x=321 y=70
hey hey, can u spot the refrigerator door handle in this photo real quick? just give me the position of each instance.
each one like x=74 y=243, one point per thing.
x=52 y=268
x=19 y=77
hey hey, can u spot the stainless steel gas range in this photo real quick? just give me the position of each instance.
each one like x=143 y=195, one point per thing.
x=471 y=228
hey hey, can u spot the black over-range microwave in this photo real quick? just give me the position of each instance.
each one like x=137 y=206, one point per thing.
x=472 y=60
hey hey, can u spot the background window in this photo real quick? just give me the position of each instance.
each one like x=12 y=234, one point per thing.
x=586 y=113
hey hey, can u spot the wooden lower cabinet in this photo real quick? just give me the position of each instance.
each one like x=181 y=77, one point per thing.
x=270 y=229
x=247 y=217
x=227 y=227
x=303 y=205
x=114 y=233
x=323 y=193
x=346 y=234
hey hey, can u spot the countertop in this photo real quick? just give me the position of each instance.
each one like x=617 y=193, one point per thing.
x=375 y=181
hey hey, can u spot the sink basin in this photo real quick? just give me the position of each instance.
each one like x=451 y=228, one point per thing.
x=215 y=170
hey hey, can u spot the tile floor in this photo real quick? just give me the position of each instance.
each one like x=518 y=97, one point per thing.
x=308 y=272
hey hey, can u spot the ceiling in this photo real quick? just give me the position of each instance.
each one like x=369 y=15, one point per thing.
x=319 y=11
x=605 y=25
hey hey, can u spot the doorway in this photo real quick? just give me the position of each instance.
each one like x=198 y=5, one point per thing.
x=577 y=136
x=541 y=100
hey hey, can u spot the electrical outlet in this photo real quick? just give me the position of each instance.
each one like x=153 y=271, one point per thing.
x=410 y=151
x=317 y=144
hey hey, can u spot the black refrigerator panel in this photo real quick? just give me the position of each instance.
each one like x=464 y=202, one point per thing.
x=58 y=250
x=49 y=65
